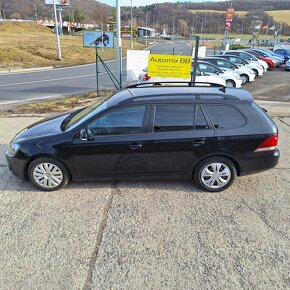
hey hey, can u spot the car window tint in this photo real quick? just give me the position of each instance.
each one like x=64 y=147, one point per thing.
x=207 y=68
x=225 y=116
x=200 y=121
x=127 y=120
x=173 y=118
x=222 y=63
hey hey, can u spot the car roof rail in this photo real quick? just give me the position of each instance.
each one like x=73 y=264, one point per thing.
x=190 y=84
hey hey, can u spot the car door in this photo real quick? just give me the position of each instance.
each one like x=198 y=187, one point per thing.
x=114 y=144
x=178 y=135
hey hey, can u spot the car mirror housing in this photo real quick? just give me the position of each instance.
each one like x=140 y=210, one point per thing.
x=84 y=134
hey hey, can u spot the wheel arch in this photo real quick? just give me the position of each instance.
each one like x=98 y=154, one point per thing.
x=45 y=156
x=217 y=155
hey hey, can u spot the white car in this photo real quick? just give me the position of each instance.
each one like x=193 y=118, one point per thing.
x=257 y=67
x=245 y=73
x=241 y=63
x=200 y=78
x=232 y=79
x=261 y=62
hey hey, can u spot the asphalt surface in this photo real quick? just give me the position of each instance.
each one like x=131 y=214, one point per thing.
x=28 y=86
x=146 y=235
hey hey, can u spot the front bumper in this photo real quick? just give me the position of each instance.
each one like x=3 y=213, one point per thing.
x=16 y=165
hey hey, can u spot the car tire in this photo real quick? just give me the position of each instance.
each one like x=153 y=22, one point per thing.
x=48 y=174
x=245 y=79
x=256 y=72
x=215 y=174
x=230 y=84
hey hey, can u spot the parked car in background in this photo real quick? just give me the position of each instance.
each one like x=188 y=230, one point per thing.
x=201 y=77
x=266 y=53
x=271 y=62
x=244 y=72
x=283 y=52
x=259 y=70
x=241 y=63
x=207 y=134
x=287 y=65
x=232 y=79
x=261 y=62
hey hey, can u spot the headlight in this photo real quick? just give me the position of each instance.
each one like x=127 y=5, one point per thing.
x=13 y=148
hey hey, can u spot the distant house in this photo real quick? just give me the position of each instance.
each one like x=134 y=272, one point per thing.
x=146 y=31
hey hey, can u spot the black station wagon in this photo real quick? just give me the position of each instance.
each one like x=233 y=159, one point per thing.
x=210 y=134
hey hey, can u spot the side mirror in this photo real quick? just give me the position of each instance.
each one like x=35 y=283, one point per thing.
x=84 y=135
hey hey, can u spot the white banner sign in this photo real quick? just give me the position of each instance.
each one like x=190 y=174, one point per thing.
x=137 y=60
x=57 y=2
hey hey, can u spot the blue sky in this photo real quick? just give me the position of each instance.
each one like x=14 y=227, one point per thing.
x=146 y=2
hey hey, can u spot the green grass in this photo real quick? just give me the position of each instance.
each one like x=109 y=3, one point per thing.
x=59 y=105
x=33 y=45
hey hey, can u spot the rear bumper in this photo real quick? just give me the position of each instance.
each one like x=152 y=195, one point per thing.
x=258 y=162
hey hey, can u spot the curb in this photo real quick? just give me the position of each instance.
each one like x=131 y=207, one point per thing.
x=21 y=70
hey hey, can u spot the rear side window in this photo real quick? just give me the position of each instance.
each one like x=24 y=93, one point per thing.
x=200 y=122
x=173 y=118
x=225 y=116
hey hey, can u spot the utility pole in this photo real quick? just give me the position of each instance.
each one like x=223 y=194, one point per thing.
x=131 y=26
x=56 y=31
x=146 y=28
x=35 y=11
x=119 y=43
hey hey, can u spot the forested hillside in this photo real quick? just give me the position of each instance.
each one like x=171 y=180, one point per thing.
x=86 y=10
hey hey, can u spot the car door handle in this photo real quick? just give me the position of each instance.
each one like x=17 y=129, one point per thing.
x=198 y=142
x=135 y=146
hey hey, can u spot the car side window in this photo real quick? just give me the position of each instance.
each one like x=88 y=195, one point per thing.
x=206 y=68
x=225 y=116
x=173 y=118
x=222 y=63
x=200 y=122
x=128 y=120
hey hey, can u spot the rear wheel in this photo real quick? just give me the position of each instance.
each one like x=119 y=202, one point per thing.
x=48 y=174
x=245 y=79
x=230 y=83
x=215 y=174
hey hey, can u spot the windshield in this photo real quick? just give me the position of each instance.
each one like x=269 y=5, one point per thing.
x=86 y=114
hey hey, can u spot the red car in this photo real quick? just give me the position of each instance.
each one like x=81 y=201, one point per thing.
x=270 y=62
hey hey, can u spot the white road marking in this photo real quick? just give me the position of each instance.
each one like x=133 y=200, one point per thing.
x=31 y=99
x=53 y=80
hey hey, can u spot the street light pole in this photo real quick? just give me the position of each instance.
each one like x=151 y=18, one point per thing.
x=119 y=43
x=131 y=26
x=56 y=31
x=146 y=28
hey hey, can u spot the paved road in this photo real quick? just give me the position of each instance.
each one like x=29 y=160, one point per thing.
x=145 y=235
x=17 y=87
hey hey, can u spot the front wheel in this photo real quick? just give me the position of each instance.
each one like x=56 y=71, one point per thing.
x=48 y=174
x=245 y=79
x=230 y=84
x=215 y=174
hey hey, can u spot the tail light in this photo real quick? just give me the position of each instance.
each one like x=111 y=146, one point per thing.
x=146 y=77
x=269 y=144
